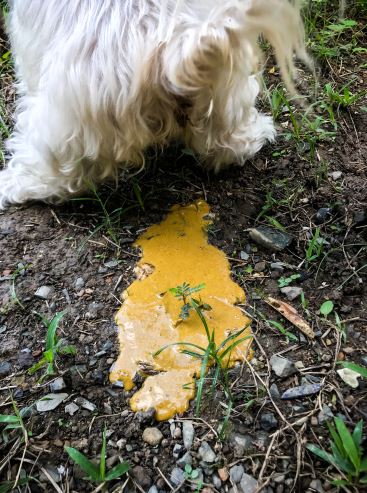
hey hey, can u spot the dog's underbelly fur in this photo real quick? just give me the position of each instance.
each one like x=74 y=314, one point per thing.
x=101 y=80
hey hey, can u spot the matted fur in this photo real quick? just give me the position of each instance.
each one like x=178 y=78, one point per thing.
x=101 y=80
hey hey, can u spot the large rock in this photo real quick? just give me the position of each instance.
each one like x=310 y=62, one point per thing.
x=270 y=238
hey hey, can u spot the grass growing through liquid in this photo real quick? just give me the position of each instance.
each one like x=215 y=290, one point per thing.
x=217 y=355
x=54 y=347
x=97 y=472
x=346 y=453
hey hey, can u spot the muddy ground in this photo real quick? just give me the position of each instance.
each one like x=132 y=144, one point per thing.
x=85 y=257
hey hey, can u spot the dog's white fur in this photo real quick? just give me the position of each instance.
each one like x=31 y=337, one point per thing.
x=101 y=80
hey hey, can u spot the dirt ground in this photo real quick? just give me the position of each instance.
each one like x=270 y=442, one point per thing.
x=82 y=251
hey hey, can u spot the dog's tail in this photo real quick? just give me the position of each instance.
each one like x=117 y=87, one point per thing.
x=209 y=35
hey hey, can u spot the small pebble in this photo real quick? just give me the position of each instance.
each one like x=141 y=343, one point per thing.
x=50 y=402
x=206 y=453
x=291 y=292
x=44 y=292
x=57 y=385
x=152 y=436
x=85 y=404
x=248 y=483
x=236 y=473
x=282 y=367
x=188 y=433
x=223 y=474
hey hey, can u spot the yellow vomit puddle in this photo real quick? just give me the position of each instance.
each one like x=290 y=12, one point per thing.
x=175 y=251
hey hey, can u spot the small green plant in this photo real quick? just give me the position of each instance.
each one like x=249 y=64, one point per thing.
x=282 y=330
x=346 y=453
x=54 y=347
x=286 y=281
x=326 y=308
x=184 y=293
x=214 y=354
x=315 y=246
x=98 y=473
x=192 y=475
x=341 y=98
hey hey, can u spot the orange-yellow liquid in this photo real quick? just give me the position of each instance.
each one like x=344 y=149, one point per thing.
x=175 y=251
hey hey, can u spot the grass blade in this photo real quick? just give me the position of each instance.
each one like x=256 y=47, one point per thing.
x=8 y=418
x=84 y=463
x=102 y=463
x=348 y=442
x=203 y=369
x=357 y=433
x=118 y=471
x=321 y=453
x=51 y=330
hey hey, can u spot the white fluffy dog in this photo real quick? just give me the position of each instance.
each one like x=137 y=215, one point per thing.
x=101 y=80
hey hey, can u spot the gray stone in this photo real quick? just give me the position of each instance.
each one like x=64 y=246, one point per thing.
x=5 y=368
x=177 y=450
x=325 y=414
x=217 y=481
x=248 y=484
x=260 y=266
x=57 y=385
x=244 y=255
x=301 y=391
x=236 y=473
x=270 y=238
x=44 y=292
x=85 y=404
x=111 y=264
x=240 y=444
x=316 y=485
x=50 y=402
x=188 y=433
x=282 y=367
x=206 y=453
x=185 y=459
x=152 y=436
x=274 y=391
x=177 y=476
x=71 y=408
x=336 y=175
x=277 y=266
x=322 y=215
x=268 y=421
x=53 y=472
x=291 y=292
x=79 y=284
x=93 y=310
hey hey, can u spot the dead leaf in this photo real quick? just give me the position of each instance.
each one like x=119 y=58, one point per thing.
x=272 y=70
x=291 y=315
